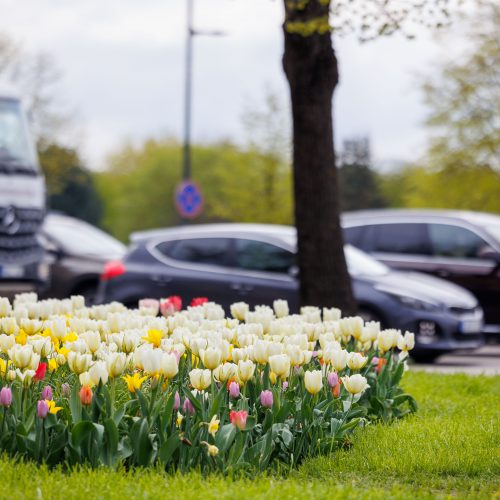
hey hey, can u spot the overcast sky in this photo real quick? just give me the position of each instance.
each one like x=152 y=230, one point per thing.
x=123 y=69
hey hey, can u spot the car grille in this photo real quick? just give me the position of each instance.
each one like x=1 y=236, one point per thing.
x=22 y=247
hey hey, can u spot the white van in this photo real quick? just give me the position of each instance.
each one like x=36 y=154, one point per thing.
x=22 y=201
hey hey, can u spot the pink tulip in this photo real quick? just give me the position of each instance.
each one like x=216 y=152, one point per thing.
x=65 y=389
x=234 y=390
x=47 y=393
x=285 y=385
x=188 y=407
x=42 y=409
x=5 y=397
x=266 y=399
x=150 y=304
x=333 y=379
x=177 y=401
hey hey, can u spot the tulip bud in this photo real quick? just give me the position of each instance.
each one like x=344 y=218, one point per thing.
x=47 y=393
x=266 y=399
x=65 y=389
x=42 y=409
x=5 y=397
x=234 y=389
x=188 y=407
x=177 y=401
x=333 y=379
x=86 y=395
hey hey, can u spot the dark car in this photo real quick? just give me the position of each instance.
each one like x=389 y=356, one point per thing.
x=256 y=264
x=78 y=252
x=462 y=247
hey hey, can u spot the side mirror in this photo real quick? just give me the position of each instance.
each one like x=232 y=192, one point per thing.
x=488 y=253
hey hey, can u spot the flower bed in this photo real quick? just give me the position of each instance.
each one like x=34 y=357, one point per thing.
x=106 y=385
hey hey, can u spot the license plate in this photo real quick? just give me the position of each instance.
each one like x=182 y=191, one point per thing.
x=7 y=272
x=471 y=326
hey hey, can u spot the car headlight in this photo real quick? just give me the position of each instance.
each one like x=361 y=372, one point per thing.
x=411 y=301
x=414 y=303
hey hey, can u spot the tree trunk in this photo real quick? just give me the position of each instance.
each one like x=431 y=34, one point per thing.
x=311 y=69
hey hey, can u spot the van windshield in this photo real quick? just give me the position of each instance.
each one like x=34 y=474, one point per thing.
x=16 y=149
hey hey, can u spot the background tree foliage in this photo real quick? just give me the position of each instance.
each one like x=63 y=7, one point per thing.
x=461 y=168
x=245 y=185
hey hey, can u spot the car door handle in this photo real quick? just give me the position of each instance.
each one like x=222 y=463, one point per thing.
x=444 y=273
x=156 y=278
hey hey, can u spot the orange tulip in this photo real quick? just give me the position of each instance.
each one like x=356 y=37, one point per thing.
x=86 y=395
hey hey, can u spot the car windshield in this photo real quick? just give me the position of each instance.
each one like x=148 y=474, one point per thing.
x=361 y=264
x=16 y=148
x=78 y=237
x=494 y=230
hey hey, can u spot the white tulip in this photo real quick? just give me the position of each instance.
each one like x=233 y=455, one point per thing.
x=280 y=365
x=313 y=381
x=356 y=361
x=406 y=342
x=246 y=370
x=79 y=363
x=281 y=308
x=239 y=310
x=98 y=372
x=200 y=379
x=116 y=364
x=355 y=384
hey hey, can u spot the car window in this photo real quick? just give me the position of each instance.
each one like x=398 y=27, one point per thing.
x=455 y=241
x=78 y=237
x=401 y=238
x=212 y=251
x=354 y=235
x=259 y=256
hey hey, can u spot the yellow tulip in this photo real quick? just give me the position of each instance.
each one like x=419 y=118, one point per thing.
x=154 y=337
x=134 y=382
x=52 y=406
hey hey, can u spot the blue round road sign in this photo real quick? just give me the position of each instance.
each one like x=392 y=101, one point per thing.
x=188 y=199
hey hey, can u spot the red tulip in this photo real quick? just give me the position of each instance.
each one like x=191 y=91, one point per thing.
x=198 y=301
x=40 y=371
x=239 y=419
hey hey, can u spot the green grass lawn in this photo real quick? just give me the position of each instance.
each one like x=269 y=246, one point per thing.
x=450 y=448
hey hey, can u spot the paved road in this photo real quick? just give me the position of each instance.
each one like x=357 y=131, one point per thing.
x=485 y=360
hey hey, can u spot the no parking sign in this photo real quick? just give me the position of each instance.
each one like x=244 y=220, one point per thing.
x=188 y=199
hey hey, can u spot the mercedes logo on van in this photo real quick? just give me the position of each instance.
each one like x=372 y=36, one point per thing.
x=10 y=223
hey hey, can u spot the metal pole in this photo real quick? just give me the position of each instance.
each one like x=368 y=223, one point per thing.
x=186 y=165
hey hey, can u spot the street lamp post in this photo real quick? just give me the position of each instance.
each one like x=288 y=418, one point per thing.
x=186 y=164
x=191 y=32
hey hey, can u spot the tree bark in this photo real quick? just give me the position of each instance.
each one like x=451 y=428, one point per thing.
x=311 y=68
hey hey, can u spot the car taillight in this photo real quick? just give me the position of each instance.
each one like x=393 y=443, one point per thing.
x=113 y=269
